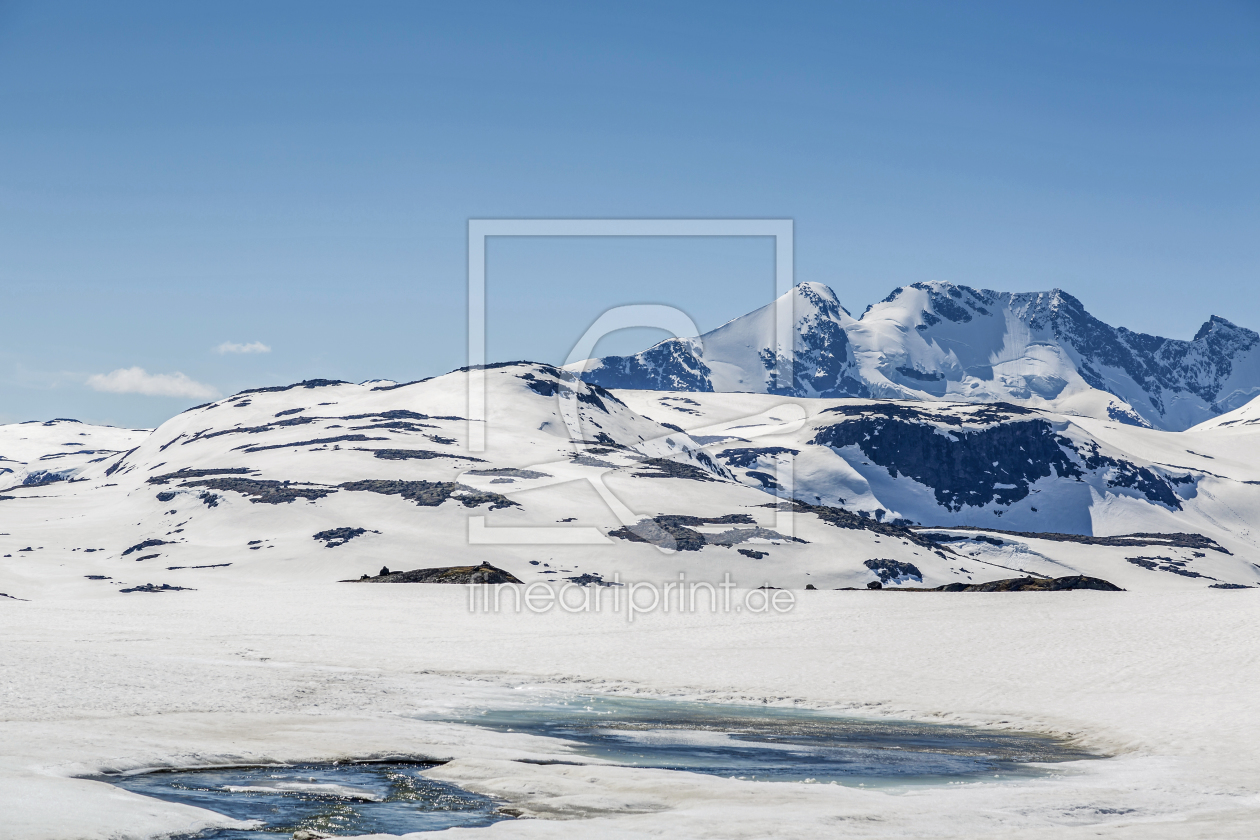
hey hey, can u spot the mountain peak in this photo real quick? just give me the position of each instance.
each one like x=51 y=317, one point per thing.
x=1216 y=324
x=817 y=296
x=938 y=340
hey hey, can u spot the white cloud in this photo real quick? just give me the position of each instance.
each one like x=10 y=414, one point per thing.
x=136 y=380
x=232 y=347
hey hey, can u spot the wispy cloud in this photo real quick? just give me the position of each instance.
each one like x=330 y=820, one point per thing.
x=137 y=380
x=232 y=347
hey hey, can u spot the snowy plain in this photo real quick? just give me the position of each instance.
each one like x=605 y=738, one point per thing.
x=1164 y=683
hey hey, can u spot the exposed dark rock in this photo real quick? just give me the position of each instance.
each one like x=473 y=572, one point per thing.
x=744 y=458
x=810 y=587
x=418 y=454
x=980 y=414
x=753 y=553
x=399 y=414
x=1032 y=584
x=55 y=455
x=980 y=538
x=543 y=387
x=671 y=365
x=1171 y=540
x=113 y=468
x=736 y=536
x=431 y=493
x=334 y=537
x=152 y=587
x=485 y=573
x=920 y=375
x=766 y=480
x=1230 y=586
x=43 y=477
x=588 y=461
x=147 y=557
x=725 y=519
x=666 y=468
x=972 y=467
x=166 y=495
x=206 y=434
x=143 y=545
x=842 y=518
x=663 y=535
x=605 y=439
x=893 y=570
x=307 y=383
x=192 y=473
x=1119 y=473
x=821 y=364
x=874 y=585
x=260 y=491
x=591 y=579
x=312 y=442
x=672 y=532
x=510 y=472
x=1166 y=564
x=401 y=384
x=395 y=425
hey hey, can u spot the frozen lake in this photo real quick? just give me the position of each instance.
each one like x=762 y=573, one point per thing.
x=754 y=743
x=339 y=799
x=772 y=744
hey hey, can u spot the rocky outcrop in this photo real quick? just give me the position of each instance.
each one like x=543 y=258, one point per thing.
x=485 y=573
x=1032 y=584
x=431 y=493
x=334 y=537
x=894 y=571
x=994 y=464
x=153 y=587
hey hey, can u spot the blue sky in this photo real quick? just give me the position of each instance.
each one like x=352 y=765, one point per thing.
x=174 y=177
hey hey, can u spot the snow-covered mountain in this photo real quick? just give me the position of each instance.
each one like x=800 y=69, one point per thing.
x=742 y=355
x=327 y=480
x=996 y=468
x=42 y=452
x=939 y=341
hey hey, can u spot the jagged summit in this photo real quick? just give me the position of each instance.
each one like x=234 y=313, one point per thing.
x=939 y=340
x=742 y=355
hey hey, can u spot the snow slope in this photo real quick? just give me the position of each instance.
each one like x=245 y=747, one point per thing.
x=999 y=468
x=327 y=481
x=38 y=452
x=932 y=341
x=324 y=481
